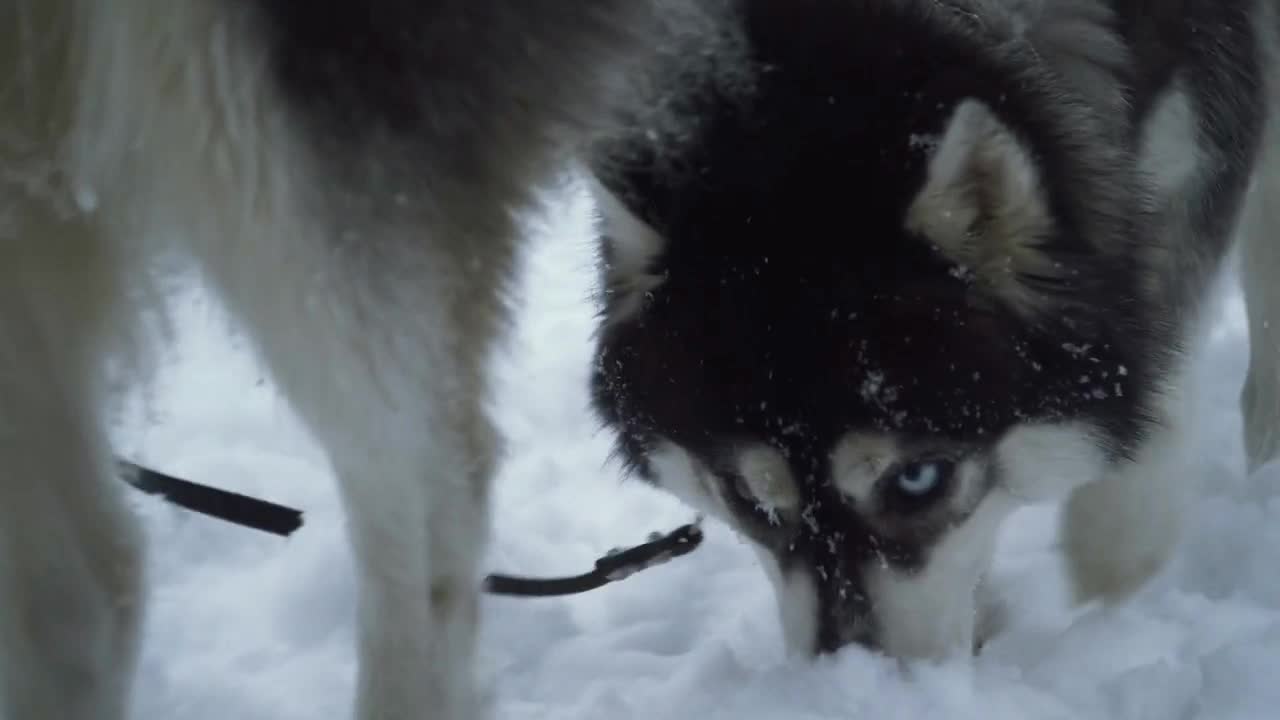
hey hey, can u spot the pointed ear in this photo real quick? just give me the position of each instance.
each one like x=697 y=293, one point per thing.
x=629 y=248
x=984 y=207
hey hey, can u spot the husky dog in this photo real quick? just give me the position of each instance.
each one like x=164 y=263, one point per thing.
x=943 y=258
x=346 y=174
x=924 y=261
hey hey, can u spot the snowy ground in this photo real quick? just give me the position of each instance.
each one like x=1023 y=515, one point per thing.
x=251 y=627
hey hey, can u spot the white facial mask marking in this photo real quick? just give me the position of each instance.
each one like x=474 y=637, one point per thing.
x=797 y=599
x=933 y=613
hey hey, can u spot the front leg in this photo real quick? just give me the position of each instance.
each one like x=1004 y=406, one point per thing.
x=1121 y=530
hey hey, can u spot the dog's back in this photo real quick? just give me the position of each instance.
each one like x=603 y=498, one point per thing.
x=345 y=173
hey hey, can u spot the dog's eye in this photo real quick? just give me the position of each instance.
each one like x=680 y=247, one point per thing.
x=917 y=484
x=920 y=478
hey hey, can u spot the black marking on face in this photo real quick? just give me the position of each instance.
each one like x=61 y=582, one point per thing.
x=835 y=542
x=794 y=301
x=796 y=309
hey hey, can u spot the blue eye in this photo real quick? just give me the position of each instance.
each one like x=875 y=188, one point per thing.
x=917 y=483
x=919 y=478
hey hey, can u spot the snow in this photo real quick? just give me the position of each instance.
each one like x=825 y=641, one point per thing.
x=249 y=626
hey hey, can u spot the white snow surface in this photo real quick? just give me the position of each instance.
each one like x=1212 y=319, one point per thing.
x=253 y=627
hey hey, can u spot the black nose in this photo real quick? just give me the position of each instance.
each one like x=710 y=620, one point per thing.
x=838 y=633
x=845 y=613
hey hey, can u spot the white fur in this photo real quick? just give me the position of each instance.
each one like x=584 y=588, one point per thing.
x=765 y=477
x=1260 y=279
x=1044 y=462
x=983 y=206
x=1121 y=522
x=131 y=127
x=797 y=599
x=634 y=246
x=1173 y=161
x=858 y=462
x=71 y=569
x=679 y=473
x=1121 y=529
x=940 y=609
x=768 y=479
x=174 y=136
x=1169 y=151
x=934 y=613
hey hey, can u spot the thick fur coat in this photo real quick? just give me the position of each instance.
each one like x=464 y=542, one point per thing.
x=875 y=272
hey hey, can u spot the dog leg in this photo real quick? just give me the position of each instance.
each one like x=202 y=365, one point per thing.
x=1260 y=278
x=70 y=552
x=1120 y=530
x=381 y=347
x=71 y=564
x=418 y=534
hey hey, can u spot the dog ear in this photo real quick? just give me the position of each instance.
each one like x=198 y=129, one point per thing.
x=629 y=249
x=984 y=207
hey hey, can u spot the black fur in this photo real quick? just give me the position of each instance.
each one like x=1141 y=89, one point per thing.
x=1210 y=46
x=794 y=307
x=433 y=98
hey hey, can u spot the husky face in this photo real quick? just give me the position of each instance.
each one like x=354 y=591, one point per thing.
x=881 y=302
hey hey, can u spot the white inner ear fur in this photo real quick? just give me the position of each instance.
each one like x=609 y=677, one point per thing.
x=797 y=599
x=633 y=245
x=984 y=207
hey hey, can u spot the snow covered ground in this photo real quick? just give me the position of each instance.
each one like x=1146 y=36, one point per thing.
x=252 y=627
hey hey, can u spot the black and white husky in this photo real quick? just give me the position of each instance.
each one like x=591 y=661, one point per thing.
x=942 y=259
x=876 y=272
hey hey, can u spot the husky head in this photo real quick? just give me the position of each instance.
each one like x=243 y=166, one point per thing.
x=878 y=302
